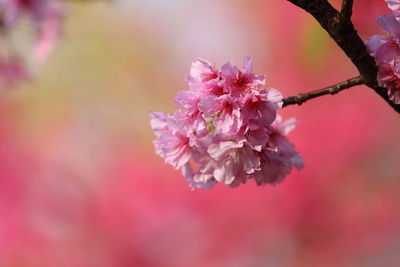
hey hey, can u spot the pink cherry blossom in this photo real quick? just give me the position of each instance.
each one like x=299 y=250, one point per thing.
x=159 y=122
x=389 y=77
x=201 y=73
x=228 y=131
x=187 y=100
x=259 y=107
x=173 y=140
x=239 y=82
x=234 y=161
x=224 y=112
x=386 y=51
x=197 y=179
x=281 y=157
x=204 y=79
x=386 y=48
x=258 y=138
x=393 y=4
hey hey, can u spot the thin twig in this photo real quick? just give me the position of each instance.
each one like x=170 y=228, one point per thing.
x=331 y=90
x=347 y=38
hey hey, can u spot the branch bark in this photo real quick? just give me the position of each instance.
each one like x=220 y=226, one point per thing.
x=347 y=10
x=331 y=90
x=340 y=28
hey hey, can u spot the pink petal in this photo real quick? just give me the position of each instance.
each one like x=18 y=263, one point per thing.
x=390 y=25
x=248 y=65
x=209 y=105
x=393 y=4
x=375 y=42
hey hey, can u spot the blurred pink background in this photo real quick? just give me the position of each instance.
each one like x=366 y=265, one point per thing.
x=80 y=184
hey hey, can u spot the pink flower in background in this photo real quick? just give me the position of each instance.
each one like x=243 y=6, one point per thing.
x=44 y=16
x=12 y=70
x=228 y=131
x=37 y=10
x=49 y=30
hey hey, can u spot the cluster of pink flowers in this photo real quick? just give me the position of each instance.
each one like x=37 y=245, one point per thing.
x=44 y=16
x=227 y=129
x=386 y=51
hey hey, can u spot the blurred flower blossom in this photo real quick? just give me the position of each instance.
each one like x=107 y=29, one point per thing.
x=227 y=130
x=12 y=70
x=44 y=17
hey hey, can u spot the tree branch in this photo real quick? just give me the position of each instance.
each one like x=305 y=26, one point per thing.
x=331 y=90
x=347 y=38
x=347 y=10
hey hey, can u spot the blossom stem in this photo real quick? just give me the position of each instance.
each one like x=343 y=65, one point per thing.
x=341 y=29
x=331 y=90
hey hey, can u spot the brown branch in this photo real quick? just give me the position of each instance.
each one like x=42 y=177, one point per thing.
x=331 y=90
x=347 y=10
x=346 y=37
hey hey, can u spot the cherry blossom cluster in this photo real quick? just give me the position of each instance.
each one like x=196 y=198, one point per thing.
x=386 y=51
x=227 y=129
x=44 y=17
